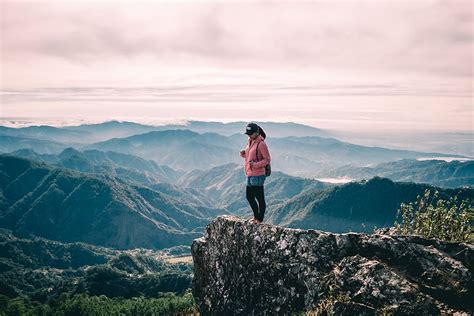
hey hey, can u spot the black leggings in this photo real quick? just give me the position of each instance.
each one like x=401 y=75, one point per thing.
x=256 y=192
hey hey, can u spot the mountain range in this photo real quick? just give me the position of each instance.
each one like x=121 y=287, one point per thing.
x=90 y=133
x=222 y=186
x=159 y=188
x=356 y=206
x=449 y=174
x=38 y=199
x=296 y=149
x=66 y=205
x=187 y=150
x=130 y=167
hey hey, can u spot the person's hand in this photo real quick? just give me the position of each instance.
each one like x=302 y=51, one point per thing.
x=251 y=164
x=242 y=153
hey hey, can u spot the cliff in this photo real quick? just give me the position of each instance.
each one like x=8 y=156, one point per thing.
x=246 y=269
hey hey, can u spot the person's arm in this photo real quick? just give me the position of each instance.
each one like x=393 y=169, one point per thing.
x=263 y=154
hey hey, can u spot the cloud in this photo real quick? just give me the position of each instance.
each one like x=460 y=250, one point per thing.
x=387 y=61
x=428 y=37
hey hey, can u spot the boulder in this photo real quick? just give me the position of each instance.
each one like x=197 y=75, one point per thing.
x=242 y=268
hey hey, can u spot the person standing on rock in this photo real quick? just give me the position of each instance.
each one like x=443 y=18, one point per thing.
x=255 y=169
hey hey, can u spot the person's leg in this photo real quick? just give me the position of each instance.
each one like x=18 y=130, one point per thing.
x=259 y=194
x=249 y=198
x=250 y=193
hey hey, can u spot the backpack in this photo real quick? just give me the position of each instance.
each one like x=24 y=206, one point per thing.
x=268 y=168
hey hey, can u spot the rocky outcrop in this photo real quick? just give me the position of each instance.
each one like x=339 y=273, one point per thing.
x=242 y=268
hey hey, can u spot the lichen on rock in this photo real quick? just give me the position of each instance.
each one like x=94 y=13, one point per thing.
x=242 y=268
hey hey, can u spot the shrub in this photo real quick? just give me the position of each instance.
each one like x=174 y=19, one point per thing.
x=432 y=217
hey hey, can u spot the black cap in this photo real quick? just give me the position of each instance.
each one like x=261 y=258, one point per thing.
x=251 y=128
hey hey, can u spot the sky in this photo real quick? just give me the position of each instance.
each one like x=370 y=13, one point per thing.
x=345 y=65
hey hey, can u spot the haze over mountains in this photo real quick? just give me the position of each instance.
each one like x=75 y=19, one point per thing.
x=435 y=141
x=306 y=153
x=126 y=185
x=437 y=172
x=89 y=133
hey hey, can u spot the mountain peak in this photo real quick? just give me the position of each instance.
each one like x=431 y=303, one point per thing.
x=24 y=152
x=69 y=152
x=166 y=133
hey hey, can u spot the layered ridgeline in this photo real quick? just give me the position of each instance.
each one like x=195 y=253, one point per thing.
x=187 y=150
x=246 y=269
x=122 y=129
x=126 y=166
x=9 y=144
x=454 y=143
x=308 y=152
x=437 y=172
x=89 y=133
x=66 y=205
x=355 y=206
x=222 y=186
x=114 y=211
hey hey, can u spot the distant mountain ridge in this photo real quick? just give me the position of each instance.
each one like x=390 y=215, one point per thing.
x=187 y=150
x=453 y=143
x=45 y=132
x=179 y=149
x=117 y=164
x=277 y=129
x=296 y=149
x=12 y=143
x=89 y=133
x=436 y=172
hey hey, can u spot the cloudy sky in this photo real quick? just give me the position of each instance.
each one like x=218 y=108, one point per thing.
x=353 y=65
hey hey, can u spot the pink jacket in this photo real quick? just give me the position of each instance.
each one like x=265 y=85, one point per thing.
x=258 y=168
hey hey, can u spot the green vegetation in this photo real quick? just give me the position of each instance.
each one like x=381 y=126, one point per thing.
x=67 y=205
x=433 y=217
x=83 y=304
x=45 y=277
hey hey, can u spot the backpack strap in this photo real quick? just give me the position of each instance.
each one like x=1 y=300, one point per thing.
x=257 y=150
